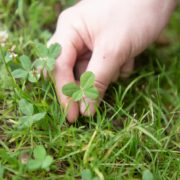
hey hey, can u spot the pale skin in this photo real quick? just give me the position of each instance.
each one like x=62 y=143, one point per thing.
x=104 y=37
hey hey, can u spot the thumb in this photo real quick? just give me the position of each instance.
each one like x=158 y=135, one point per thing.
x=104 y=66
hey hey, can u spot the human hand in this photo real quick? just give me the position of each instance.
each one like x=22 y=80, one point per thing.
x=103 y=37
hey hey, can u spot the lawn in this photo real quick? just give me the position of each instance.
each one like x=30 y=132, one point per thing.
x=135 y=133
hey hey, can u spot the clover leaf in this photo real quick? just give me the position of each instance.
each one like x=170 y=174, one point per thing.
x=28 y=118
x=87 y=175
x=147 y=175
x=85 y=89
x=27 y=71
x=70 y=88
x=40 y=159
x=87 y=80
x=26 y=108
x=47 y=56
x=46 y=60
x=25 y=62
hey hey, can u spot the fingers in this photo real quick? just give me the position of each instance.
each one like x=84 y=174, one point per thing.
x=104 y=66
x=127 y=68
x=63 y=74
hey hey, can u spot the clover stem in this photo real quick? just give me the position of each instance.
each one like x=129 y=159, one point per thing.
x=83 y=99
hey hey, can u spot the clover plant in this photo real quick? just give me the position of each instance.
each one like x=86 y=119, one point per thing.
x=85 y=89
x=46 y=60
x=40 y=159
x=27 y=71
x=47 y=56
x=29 y=117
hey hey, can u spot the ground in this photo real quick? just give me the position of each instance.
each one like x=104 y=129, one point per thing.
x=135 y=133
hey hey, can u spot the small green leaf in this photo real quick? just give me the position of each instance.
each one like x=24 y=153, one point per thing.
x=39 y=152
x=25 y=62
x=47 y=162
x=41 y=50
x=28 y=121
x=40 y=63
x=8 y=57
x=38 y=116
x=69 y=89
x=91 y=93
x=19 y=73
x=50 y=64
x=86 y=174
x=34 y=164
x=34 y=76
x=77 y=96
x=54 y=50
x=25 y=107
x=87 y=80
x=147 y=175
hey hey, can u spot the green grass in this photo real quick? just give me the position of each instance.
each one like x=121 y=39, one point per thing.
x=135 y=129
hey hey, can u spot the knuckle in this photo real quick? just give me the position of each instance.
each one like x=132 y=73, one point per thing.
x=100 y=86
x=66 y=15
